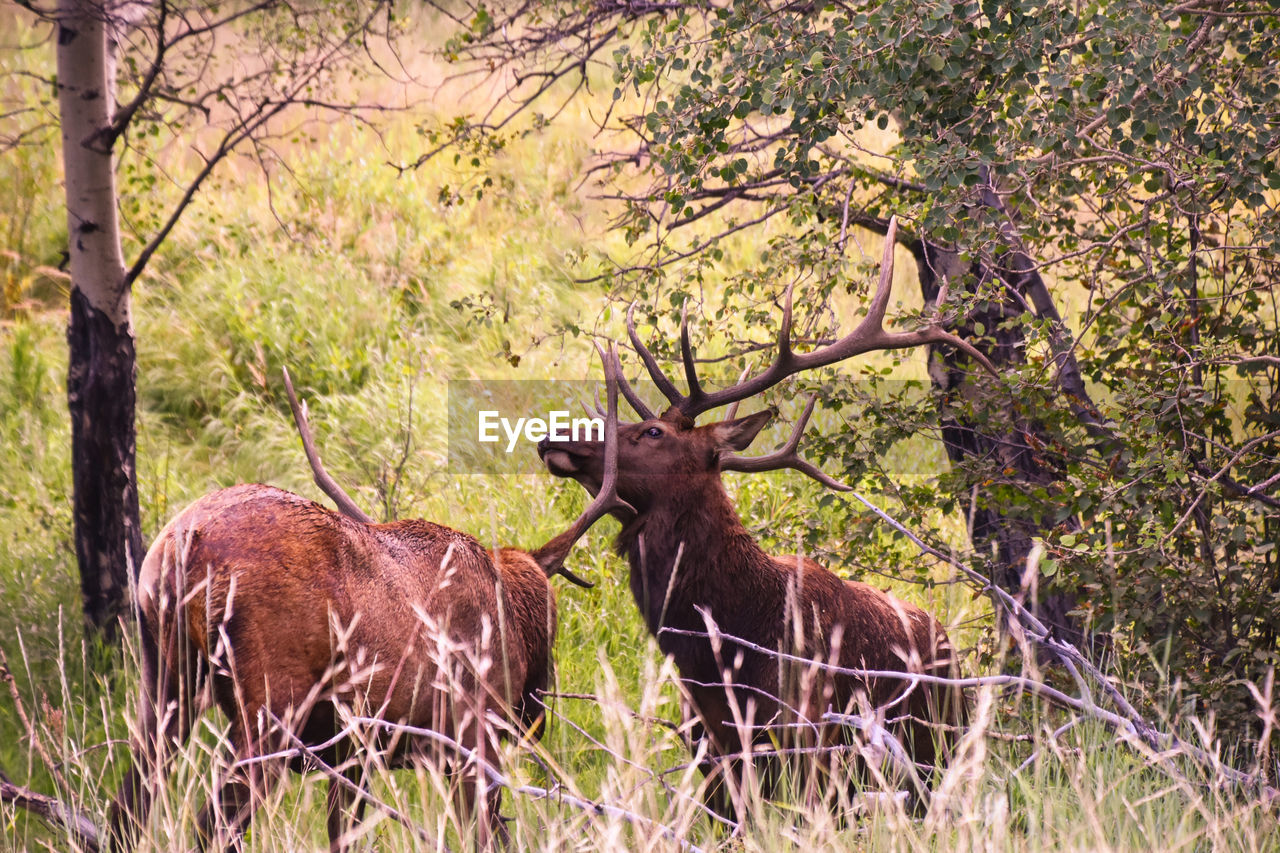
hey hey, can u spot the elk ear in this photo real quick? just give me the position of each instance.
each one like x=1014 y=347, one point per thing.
x=738 y=434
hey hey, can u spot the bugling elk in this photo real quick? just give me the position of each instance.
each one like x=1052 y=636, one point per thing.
x=280 y=610
x=692 y=561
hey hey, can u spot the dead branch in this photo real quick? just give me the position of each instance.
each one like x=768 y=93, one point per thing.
x=313 y=760
x=1160 y=745
x=656 y=776
x=912 y=678
x=79 y=826
x=37 y=743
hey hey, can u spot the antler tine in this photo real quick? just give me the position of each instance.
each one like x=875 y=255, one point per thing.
x=665 y=385
x=785 y=456
x=778 y=370
x=784 y=331
x=870 y=334
x=326 y=483
x=607 y=498
x=595 y=408
x=686 y=355
x=932 y=334
x=880 y=301
x=633 y=399
x=551 y=556
x=732 y=412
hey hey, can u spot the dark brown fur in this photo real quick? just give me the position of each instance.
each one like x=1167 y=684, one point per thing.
x=281 y=606
x=684 y=522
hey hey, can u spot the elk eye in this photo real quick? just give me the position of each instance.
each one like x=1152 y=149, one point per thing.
x=653 y=432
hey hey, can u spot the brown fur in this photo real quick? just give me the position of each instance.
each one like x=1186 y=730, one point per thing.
x=685 y=523
x=277 y=605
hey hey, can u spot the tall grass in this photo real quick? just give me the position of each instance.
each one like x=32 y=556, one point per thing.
x=611 y=776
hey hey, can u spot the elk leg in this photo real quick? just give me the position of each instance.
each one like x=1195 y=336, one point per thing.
x=167 y=704
x=237 y=794
x=474 y=796
x=717 y=792
x=227 y=813
x=491 y=829
x=710 y=722
x=345 y=806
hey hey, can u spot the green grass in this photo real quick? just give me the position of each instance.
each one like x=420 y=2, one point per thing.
x=373 y=288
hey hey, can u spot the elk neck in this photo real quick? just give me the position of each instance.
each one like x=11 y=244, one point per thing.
x=694 y=531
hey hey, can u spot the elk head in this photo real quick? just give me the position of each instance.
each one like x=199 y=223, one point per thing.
x=654 y=455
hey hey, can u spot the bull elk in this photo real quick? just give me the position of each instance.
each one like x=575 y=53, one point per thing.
x=692 y=560
x=280 y=610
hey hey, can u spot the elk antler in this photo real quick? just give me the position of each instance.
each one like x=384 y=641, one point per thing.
x=785 y=456
x=869 y=335
x=326 y=483
x=633 y=399
x=551 y=556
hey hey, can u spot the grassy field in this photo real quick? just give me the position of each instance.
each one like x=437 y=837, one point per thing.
x=375 y=293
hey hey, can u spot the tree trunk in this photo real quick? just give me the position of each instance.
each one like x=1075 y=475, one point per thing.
x=102 y=367
x=1003 y=538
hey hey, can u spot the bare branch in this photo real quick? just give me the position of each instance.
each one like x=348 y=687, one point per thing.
x=490 y=773
x=1221 y=472
x=124 y=114
x=656 y=776
x=309 y=755
x=78 y=825
x=258 y=118
x=1127 y=719
x=1126 y=723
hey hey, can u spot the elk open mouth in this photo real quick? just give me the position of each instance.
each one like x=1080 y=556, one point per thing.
x=560 y=463
x=560 y=458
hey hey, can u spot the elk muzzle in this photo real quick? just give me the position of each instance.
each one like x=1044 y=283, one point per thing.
x=580 y=460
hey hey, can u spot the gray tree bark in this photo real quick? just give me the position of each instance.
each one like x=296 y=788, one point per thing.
x=1004 y=539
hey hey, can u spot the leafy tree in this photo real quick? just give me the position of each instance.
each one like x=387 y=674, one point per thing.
x=1119 y=157
x=133 y=78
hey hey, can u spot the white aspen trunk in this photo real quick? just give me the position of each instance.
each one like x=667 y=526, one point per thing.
x=101 y=372
x=86 y=99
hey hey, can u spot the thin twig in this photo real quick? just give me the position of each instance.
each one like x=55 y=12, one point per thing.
x=37 y=743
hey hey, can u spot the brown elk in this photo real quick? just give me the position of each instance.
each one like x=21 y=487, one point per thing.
x=280 y=610
x=692 y=561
